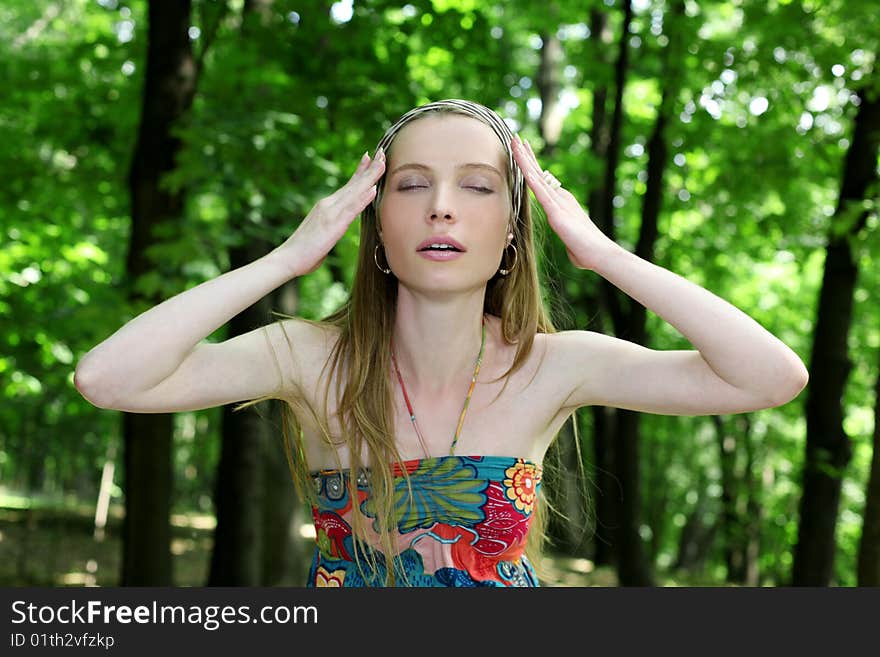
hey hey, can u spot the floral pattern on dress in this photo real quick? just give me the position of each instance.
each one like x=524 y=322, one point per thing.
x=331 y=535
x=466 y=524
x=443 y=490
x=521 y=482
x=325 y=579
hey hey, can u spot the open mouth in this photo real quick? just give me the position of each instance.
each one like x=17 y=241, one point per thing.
x=440 y=248
x=440 y=254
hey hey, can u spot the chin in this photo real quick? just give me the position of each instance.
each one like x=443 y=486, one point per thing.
x=448 y=281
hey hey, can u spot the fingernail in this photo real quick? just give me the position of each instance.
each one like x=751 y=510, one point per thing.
x=365 y=157
x=380 y=153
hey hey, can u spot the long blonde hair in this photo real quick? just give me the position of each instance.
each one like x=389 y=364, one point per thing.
x=361 y=356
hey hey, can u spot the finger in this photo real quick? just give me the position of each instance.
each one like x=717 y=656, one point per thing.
x=531 y=171
x=378 y=165
x=365 y=161
x=376 y=169
x=549 y=181
x=528 y=163
x=533 y=159
x=363 y=200
x=367 y=173
x=545 y=194
x=519 y=154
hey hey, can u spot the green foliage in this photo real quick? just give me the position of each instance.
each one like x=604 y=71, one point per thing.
x=284 y=110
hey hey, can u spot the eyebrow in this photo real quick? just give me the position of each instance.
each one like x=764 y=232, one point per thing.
x=469 y=165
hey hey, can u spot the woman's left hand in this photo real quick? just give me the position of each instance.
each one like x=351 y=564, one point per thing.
x=585 y=243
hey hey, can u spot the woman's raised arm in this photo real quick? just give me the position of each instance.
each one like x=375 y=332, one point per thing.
x=132 y=369
x=158 y=362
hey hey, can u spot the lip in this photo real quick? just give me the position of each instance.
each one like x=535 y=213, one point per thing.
x=441 y=240
x=440 y=256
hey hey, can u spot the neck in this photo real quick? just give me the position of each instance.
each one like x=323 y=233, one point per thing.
x=436 y=341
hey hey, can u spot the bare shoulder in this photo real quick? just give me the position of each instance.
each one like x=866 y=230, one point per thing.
x=593 y=368
x=556 y=351
x=507 y=351
x=302 y=347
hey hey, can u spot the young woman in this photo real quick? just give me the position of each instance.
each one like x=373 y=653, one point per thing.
x=419 y=414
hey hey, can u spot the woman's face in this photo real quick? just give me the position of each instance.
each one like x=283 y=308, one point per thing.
x=446 y=178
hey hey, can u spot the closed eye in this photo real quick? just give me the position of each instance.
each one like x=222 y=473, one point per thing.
x=482 y=190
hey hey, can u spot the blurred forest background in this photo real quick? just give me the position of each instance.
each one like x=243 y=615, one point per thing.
x=146 y=147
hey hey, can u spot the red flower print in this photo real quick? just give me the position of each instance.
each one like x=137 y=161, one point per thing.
x=520 y=484
x=466 y=556
x=331 y=532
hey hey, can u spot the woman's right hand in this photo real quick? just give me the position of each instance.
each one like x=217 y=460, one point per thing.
x=324 y=226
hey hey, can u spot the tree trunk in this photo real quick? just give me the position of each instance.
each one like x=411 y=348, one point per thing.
x=549 y=86
x=695 y=540
x=147 y=482
x=657 y=500
x=605 y=503
x=284 y=550
x=620 y=493
x=286 y=554
x=169 y=86
x=240 y=493
x=828 y=446
x=567 y=531
x=628 y=316
x=869 y=544
x=732 y=521
x=754 y=508
x=633 y=568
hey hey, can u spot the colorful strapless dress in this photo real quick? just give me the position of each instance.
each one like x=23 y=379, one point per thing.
x=465 y=525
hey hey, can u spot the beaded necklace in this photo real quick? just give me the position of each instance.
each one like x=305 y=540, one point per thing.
x=467 y=399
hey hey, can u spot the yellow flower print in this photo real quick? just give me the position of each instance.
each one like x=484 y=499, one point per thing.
x=520 y=484
x=324 y=578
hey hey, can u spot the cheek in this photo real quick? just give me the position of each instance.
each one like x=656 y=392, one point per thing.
x=388 y=212
x=395 y=206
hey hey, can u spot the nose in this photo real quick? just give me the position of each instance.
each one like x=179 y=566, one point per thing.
x=441 y=207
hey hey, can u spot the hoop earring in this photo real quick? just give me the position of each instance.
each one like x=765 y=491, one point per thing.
x=376 y=260
x=505 y=272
